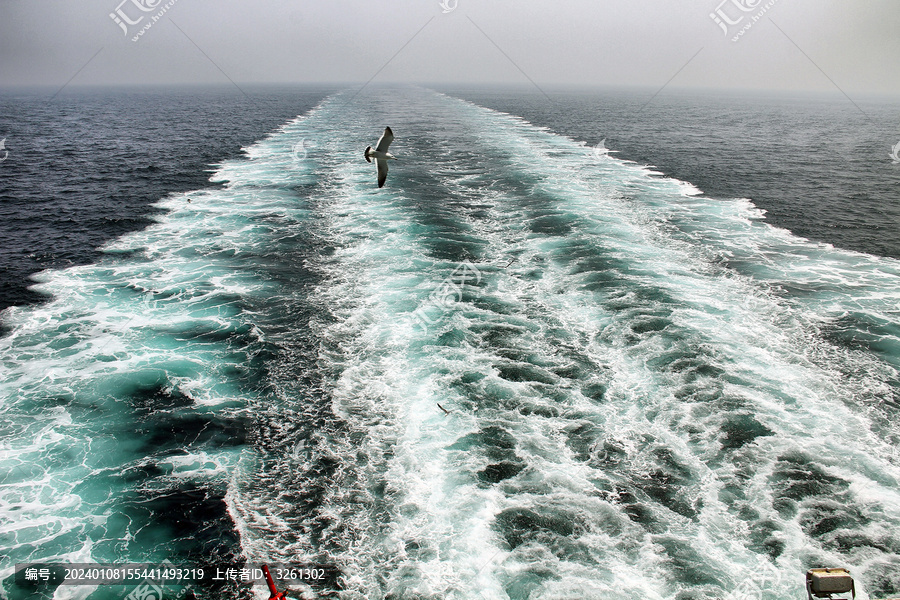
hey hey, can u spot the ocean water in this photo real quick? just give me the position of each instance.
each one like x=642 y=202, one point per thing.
x=818 y=165
x=86 y=165
x=524 y=369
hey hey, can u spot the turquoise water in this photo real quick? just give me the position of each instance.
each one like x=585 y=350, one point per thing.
x=647 y=391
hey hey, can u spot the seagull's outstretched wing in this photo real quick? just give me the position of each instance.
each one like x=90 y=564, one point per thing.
x=386 y=138
x=381 y=164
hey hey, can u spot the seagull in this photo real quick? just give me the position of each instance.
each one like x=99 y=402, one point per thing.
x=381 y=155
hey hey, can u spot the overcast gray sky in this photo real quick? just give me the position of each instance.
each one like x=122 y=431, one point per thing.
x=796 y=44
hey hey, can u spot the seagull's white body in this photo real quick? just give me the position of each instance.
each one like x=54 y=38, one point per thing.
x=381 y=155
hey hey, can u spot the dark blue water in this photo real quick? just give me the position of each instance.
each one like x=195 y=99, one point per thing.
x=85 y=166
x=818 y=165
x=523 y=369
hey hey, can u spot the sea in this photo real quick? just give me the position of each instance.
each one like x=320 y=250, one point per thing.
x=584 y=344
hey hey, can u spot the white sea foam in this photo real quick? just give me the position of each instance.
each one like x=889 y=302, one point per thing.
x=763 y=344
x=643 y=398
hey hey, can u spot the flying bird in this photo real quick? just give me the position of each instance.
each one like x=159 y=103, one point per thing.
x=381 y=155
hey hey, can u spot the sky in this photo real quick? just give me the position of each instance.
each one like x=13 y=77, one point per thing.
x=846 y=46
